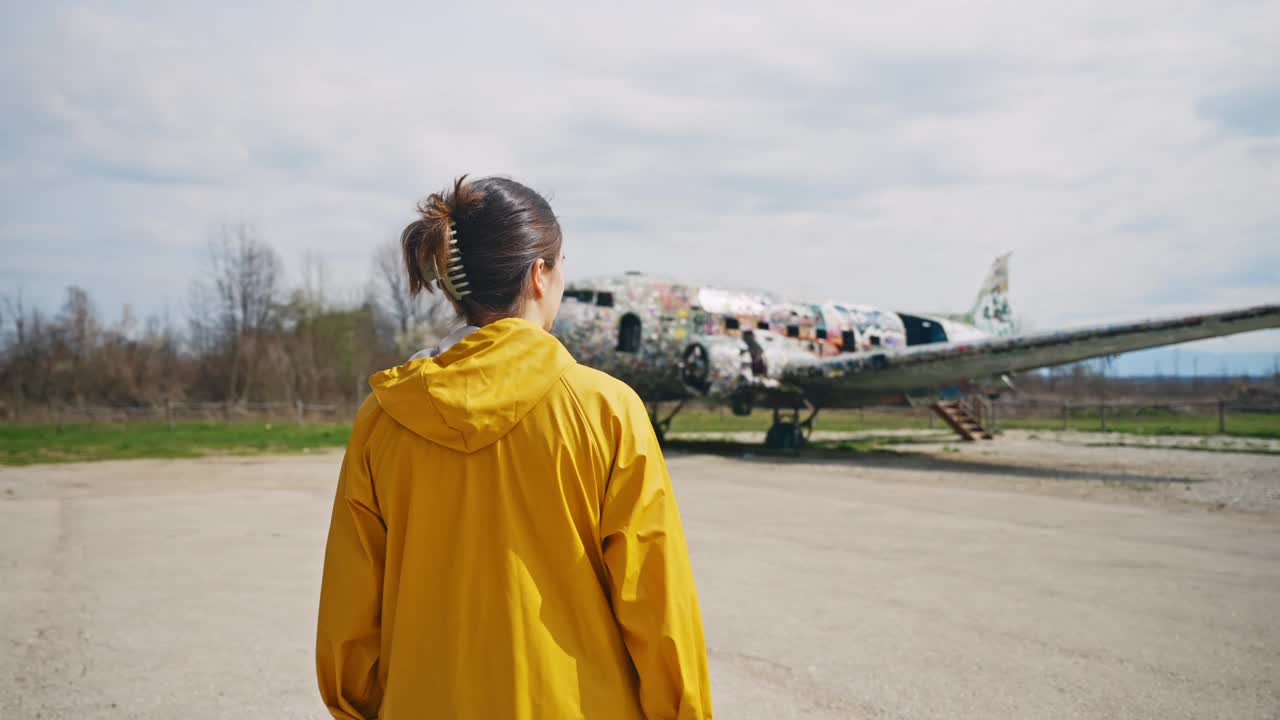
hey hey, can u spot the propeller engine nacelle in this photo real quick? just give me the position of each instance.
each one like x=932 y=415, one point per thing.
x=714 y=365
x=719 y=366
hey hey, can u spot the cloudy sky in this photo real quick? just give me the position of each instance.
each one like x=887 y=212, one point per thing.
x=1127 y=153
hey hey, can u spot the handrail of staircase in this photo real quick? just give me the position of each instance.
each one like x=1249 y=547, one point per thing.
x=976 y=406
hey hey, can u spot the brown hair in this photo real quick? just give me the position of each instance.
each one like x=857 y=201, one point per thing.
x=502 y=229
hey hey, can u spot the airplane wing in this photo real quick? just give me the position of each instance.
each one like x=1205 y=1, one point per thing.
x=928 y=367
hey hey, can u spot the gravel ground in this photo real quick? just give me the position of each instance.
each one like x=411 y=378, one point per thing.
x=1214 y=472
x=1021 y=578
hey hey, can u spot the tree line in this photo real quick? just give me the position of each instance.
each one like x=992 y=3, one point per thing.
x=246 y=336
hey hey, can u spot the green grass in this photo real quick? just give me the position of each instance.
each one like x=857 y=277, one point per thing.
x=29 y=444
x=822 y=449
x=1261 y=425
x=836 y=420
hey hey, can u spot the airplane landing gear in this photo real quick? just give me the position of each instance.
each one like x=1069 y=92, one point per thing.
x=788 y=431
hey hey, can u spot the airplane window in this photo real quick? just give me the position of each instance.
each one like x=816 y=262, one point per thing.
x=605 y=299
x=731 y=323
x=629 y=334
x=586 y=296
x=793 y=331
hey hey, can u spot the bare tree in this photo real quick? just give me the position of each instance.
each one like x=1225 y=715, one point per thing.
x=14 y=308
x=391 y=287
x=315 y=275
x=81 y=336
x=246 y=275
x=417 y=320
x=243 y=285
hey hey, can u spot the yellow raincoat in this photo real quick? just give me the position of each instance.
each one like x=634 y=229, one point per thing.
x=505 y=544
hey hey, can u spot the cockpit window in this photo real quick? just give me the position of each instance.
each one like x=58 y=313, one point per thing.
x=584 y=296
x=604 y=299
x=921 y=331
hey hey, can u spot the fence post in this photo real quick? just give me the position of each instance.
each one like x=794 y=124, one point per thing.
x=1102 y=415
x=168 y=413
x=300 y=411
x=1066 y=412
x=1222 y=417
x=994 y=421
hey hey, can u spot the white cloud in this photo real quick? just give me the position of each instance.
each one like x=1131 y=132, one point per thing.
x=1125 y=153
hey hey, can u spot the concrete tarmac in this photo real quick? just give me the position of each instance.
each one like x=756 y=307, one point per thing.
x=884 y=587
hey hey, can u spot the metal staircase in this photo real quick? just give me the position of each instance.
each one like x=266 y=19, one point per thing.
x=958 y=416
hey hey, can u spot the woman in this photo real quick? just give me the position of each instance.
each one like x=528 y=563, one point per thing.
x=505 y=542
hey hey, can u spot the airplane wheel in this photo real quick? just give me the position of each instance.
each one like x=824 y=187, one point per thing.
x=784 y=436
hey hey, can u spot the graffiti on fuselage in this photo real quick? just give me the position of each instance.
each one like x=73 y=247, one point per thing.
x=640 y=329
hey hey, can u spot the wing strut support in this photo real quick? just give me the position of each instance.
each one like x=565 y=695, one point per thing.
x=662 y=425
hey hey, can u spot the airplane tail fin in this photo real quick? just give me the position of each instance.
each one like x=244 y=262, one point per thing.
x=991 y=310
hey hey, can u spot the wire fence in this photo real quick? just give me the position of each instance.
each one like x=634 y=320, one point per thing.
x=1071 y=413
x=1105 y=415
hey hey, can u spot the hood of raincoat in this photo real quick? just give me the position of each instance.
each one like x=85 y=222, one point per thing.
x=476 y=391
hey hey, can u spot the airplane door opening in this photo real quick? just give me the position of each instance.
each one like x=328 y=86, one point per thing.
x=758 y=366
x=629 y=333
x=848 y=341
x=922 y=331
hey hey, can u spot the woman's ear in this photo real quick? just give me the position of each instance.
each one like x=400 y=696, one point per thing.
x=539 y=280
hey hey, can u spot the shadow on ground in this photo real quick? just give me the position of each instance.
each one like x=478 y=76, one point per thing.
x=878 y=452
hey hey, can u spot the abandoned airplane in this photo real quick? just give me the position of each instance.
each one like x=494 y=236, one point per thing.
x=672 y=342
